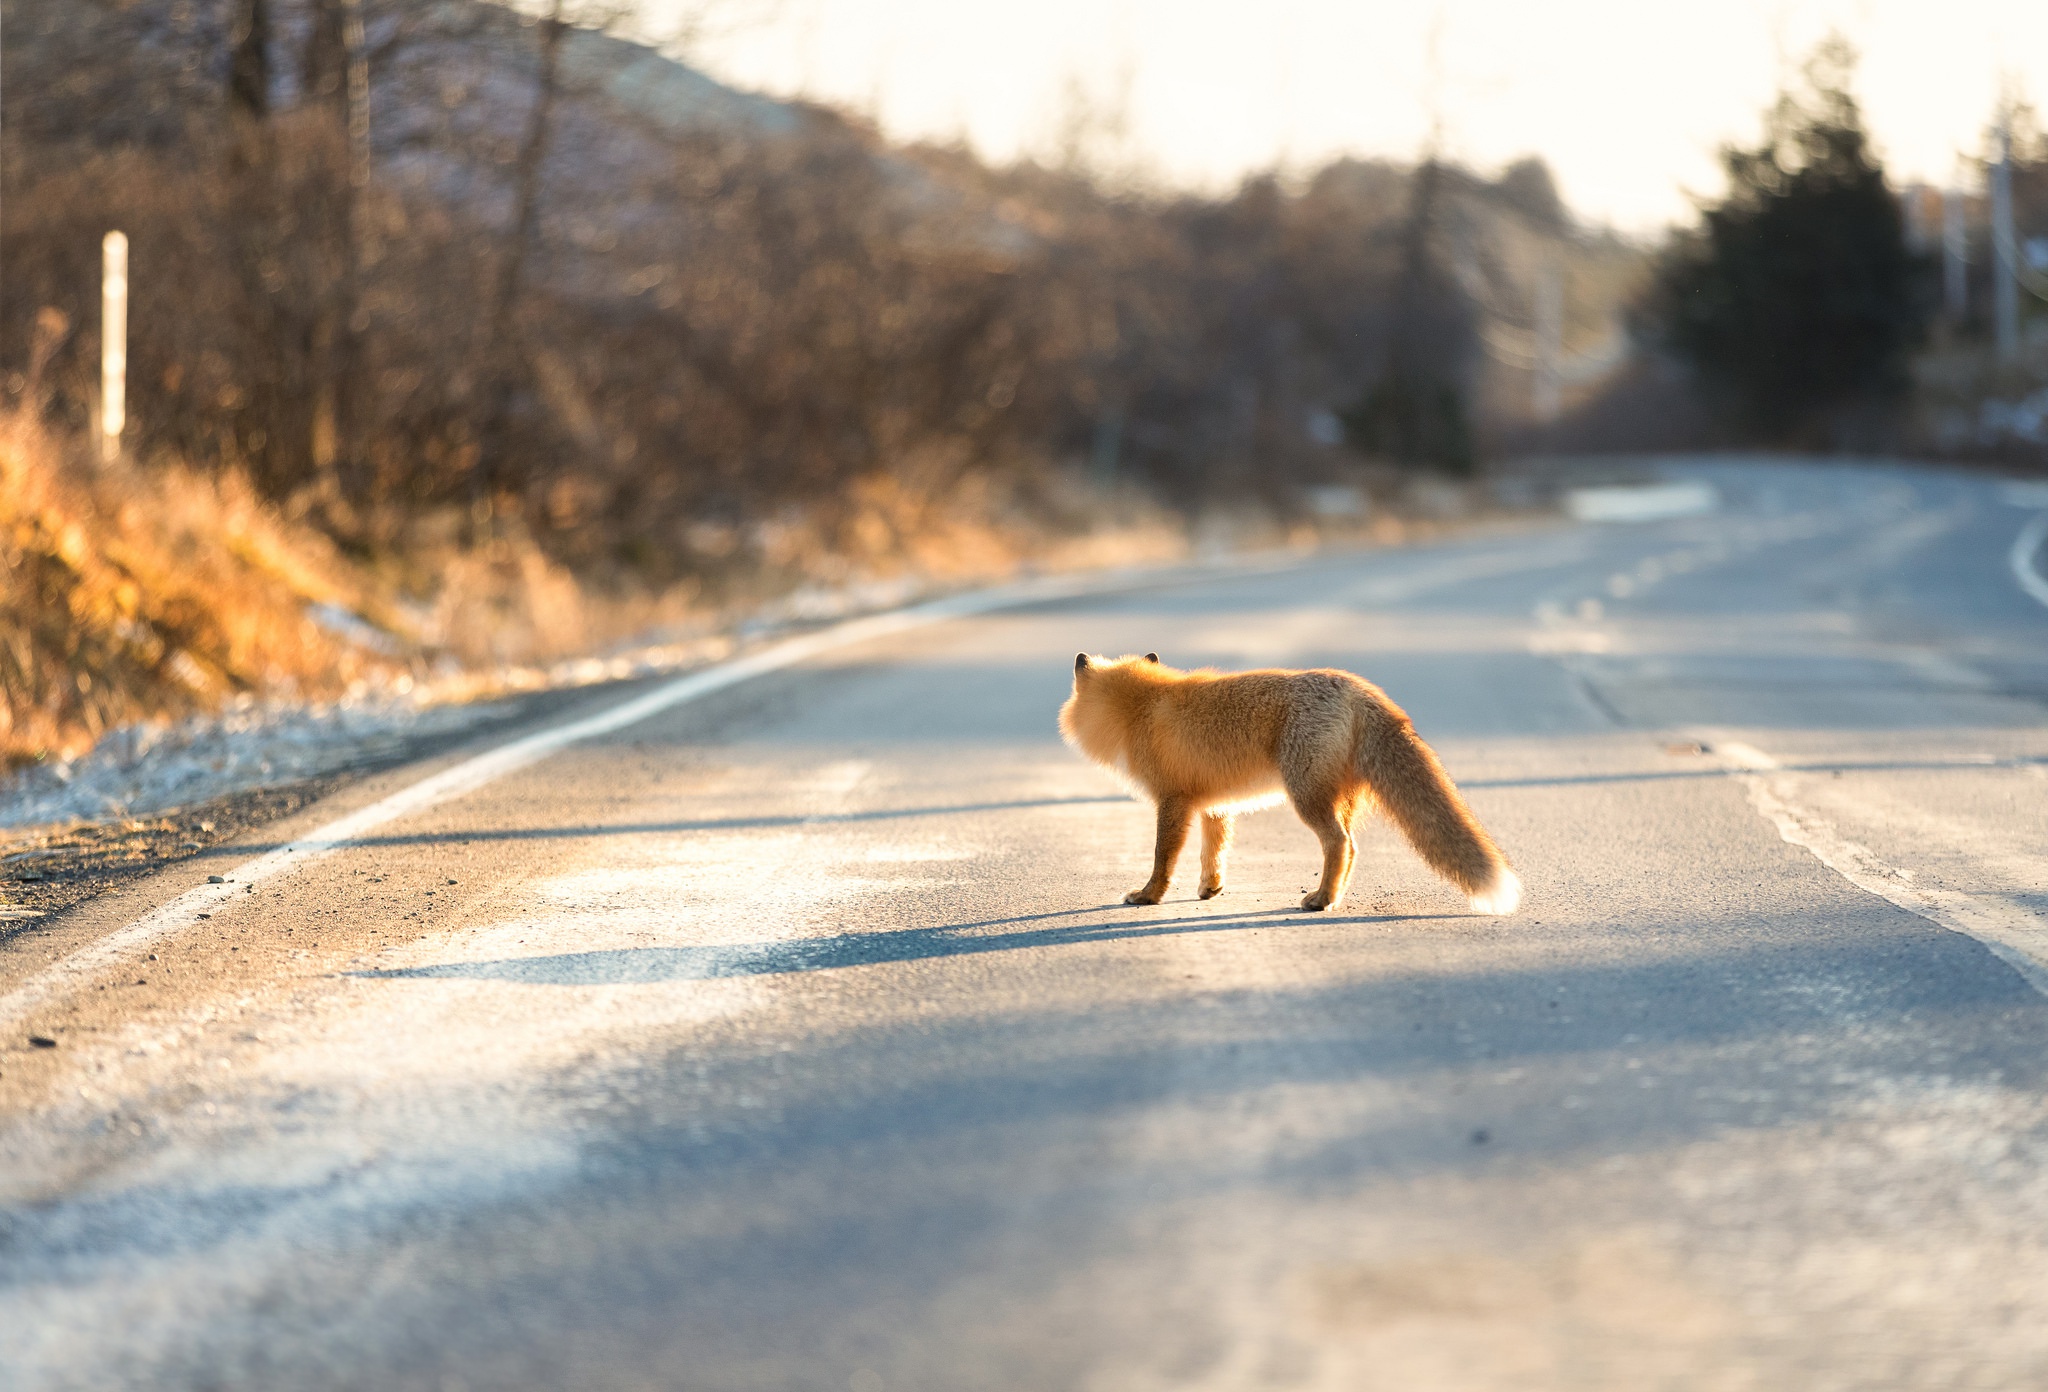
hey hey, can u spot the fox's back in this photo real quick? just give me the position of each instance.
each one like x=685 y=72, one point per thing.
x=1236 y=728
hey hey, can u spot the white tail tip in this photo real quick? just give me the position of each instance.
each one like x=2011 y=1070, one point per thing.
x=1502 y=897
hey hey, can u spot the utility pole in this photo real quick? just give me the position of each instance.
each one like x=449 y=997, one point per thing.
x=1103 y=455
x=1955 y=257
x=1547 y=392
x=2005 y=279
x=113 y=344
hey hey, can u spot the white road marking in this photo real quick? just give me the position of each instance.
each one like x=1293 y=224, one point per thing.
x=2025 y=547
x=1457 y=570
x=2013 y=933
x=1654 y=502
x=1942 y=670
x=474 y=773
x=482 y=769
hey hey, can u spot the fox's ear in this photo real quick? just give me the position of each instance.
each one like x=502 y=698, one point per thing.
x=1151 y=657
x=1080 y=662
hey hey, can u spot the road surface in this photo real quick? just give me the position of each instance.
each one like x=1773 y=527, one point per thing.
x=794 y=1037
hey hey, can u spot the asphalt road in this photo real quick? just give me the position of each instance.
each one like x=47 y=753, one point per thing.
x=794 y=1038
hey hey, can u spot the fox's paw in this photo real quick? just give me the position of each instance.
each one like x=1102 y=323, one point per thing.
x=1142 y=896
x=1315 y=903
x=1208 y=890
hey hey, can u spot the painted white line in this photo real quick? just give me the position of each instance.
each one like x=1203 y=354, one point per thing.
x=1654 y=502
x=1459 y=570
x=2016 y=936
x=2025 y=548
x=473 y=773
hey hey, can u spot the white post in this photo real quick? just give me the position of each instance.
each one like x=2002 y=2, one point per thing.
x=2005 y=279
x=113 y=345
x=1955 y=257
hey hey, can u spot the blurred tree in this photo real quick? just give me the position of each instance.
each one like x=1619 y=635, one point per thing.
x=1531 y=189
x=1797 y=296
x=249 y=59
x=1415 y=412
x=323 y=64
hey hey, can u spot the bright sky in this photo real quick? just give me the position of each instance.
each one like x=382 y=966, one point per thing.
x=1627 y=99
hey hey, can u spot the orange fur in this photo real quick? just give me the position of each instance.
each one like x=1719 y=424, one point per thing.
x=1212 y=744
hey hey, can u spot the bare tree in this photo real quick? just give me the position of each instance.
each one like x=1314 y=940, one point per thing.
x=323 y=63
x=501 y=340
x=249 y=60
x=533 y=149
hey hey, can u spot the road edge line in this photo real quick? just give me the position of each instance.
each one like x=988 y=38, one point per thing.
x=2004 y=930
x=2025 y=547
x=480 y=770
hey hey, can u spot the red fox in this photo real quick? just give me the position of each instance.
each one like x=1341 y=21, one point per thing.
x=1214 y=744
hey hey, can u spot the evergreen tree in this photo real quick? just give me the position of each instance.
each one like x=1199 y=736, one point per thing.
x=1797 y=296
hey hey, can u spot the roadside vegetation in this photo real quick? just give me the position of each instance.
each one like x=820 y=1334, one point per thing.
x=127 y=594
x=537 y=340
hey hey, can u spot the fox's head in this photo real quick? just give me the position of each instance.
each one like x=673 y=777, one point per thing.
x=1096 y=718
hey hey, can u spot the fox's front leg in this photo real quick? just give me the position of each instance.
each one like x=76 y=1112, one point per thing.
x=1216 y=829
x=1174 y=815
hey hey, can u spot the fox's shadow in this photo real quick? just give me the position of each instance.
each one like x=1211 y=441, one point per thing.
x=632 y=965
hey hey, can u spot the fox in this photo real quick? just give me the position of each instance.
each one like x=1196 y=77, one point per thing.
x=1213 y=745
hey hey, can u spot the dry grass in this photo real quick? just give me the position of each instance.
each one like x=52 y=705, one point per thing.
x=139 y=594
x=128 y=594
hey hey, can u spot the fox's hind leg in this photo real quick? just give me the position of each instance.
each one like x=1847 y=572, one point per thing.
x=1174 y=815
x=1328 y=814
x=1216 y=829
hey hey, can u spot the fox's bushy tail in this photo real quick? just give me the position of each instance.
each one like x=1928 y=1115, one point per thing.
x=1410 y=784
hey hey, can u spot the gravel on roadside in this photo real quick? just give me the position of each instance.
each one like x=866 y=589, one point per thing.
x=244 y=776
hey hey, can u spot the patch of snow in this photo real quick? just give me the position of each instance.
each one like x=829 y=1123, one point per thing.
x=352 y=628
x=2024 y=420
x=147 y=769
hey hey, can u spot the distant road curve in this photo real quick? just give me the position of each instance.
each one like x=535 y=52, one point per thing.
x=2026 y=556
